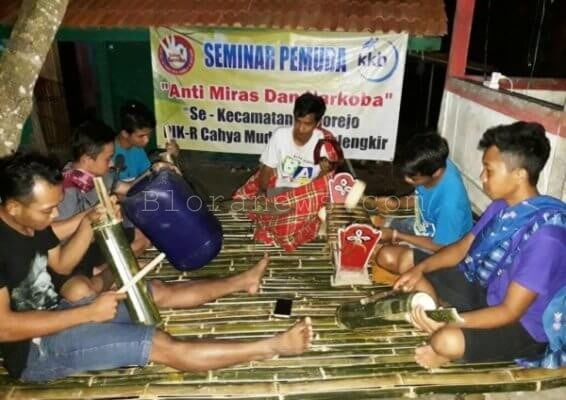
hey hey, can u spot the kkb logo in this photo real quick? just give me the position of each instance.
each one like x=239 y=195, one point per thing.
x=176 y=54
x=378 y=60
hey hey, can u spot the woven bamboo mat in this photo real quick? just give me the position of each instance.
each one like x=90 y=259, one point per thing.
x=342 y=364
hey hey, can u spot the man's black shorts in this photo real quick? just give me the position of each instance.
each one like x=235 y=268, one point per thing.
x=482 y=345
x=419 y=255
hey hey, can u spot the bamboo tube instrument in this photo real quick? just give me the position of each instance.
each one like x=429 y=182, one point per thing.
x=383 y=308
x=110 y=237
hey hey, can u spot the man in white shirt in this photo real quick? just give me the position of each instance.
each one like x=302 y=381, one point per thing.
x=289 y=177
x=289 y=155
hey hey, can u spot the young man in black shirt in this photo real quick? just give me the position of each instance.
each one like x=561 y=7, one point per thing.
x=43 y=338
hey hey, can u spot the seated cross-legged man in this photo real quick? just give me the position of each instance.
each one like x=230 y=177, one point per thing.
x=290 y=178
x=502 y=275
x=442 y=209
x=43 y=337
x=289 y=156
x=288 y=160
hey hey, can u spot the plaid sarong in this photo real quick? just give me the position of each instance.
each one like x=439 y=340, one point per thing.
x=300 y=225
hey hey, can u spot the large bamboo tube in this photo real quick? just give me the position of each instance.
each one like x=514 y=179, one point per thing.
x=361 y=314
x=110 y=237
x=118 y=253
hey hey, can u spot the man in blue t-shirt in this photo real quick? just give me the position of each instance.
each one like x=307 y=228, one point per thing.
x=137 y=125
x=503 y=274
x=442 y=209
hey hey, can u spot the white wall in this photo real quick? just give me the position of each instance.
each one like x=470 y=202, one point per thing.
x=462 y=122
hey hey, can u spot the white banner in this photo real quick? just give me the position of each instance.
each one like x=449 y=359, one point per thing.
x=227 y=90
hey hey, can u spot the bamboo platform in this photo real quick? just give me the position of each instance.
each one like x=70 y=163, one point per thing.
x=341 y=365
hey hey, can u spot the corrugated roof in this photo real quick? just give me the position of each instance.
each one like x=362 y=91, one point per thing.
x=417 y=17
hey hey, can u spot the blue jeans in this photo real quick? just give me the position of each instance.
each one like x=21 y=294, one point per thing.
x=89 y=347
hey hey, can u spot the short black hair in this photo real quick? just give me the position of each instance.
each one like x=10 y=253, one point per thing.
x=423 y=155
x=525 y=142
x=20 y=171
x=309 y=103
x=90 y=138
x=134 y=115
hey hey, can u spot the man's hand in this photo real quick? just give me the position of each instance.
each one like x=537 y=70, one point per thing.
x=96 y=213
x=172 y=148
x=407 y=281
x=160 y=165
x=386 y=235
x=325 y=166
x=105 y=306
x=421 y=321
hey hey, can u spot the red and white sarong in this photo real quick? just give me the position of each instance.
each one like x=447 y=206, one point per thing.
x=301 y=224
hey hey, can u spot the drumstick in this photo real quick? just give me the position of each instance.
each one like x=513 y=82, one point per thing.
x=355 y=194
x=357 y=191
x=165 y=156
x=104 y=198
x=143 y=272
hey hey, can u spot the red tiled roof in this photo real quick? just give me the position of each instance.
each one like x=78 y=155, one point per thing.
x=417 y=17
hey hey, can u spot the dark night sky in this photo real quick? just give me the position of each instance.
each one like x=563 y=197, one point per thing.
x=512 y=29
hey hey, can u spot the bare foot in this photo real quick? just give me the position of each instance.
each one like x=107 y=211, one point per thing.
x=252 y=277
x=295 y=340
x=426 y=357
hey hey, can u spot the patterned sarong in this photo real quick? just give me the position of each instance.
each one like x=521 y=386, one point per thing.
x=300 y=225
x=496 y=245
x=554 y=323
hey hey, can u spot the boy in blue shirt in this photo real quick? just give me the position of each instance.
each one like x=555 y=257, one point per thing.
x=442 y=209
x=503 y=274
x=137 y=125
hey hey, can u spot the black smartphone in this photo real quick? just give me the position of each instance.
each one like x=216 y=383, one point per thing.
x=283 y=308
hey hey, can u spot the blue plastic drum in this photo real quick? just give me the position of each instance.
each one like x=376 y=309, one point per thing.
x=175 y=219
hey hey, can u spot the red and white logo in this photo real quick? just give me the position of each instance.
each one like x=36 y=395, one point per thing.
x=176 y=54
x=340 y=186
x=356 y=245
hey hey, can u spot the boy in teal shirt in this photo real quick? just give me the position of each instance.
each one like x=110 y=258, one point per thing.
x=443 y=213
x=137 y=126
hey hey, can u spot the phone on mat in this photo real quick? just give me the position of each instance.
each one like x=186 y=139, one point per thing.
x=283 y=308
